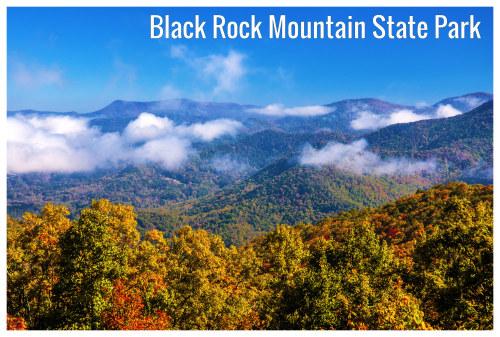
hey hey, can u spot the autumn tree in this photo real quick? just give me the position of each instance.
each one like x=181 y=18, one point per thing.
x=126 y=311
x=95 y=252
x=453 y=272
x=425 y=261
x=282 y=253
x=34 y=256
x=203 y=290
x=349 y=284
x=16 y=323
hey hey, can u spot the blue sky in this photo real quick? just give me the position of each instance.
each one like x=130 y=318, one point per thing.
x=81 y=59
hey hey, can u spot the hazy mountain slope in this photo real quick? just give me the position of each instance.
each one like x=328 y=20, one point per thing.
x=116 y=115
x=286 y=193
x=467 y=102
x=141 y=186
x=261 y=148
x=464 y=141
x=254 y=177
x=213 y=166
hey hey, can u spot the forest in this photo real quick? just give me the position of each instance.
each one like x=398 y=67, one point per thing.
x=241 y=186
x=424 y=261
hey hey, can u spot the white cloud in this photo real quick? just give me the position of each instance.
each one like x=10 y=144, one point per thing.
x=178 y=51
x=356 y=158
x=367 y=120
x=226 y=70
x=34 y=76
x=148 y=126
x=68 y=144
x=470 y=101
x=446 y=110
x=57 y=125
x=230 y=166
x=210 y=130
x=422 y=104
x=300 y=111
x=223 y=72
x=171 y=152
x=43 y=145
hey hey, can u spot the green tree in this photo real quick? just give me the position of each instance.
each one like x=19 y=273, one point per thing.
x=95 y=252
x=453 y=271
x=349 y=284
x=203 y=285
x=283 y=254
x=425 y=261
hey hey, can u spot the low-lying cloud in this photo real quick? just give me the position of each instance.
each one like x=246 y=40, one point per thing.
x=446 y=110
x=280 y=110
x=148 y=126
x=226 y=164
x=367 y=120
x=169 y=151
x=471 y=102
x=69 y=144
x=356 y=158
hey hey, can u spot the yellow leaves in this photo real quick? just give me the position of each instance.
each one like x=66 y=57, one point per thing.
x=345 y=273
x=284 y=250
x=208 y=282
x=121 y=220
x=155 y=236
x=33 y=256
x=399 y=310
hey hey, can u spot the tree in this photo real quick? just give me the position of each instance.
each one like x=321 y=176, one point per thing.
x=425 y=261
x=349 y=284
x=16 y=323
x=203 y=290
x=283 y=254
x=453 y=271
x=126 y=311
x=95 y=252
x=33 y=267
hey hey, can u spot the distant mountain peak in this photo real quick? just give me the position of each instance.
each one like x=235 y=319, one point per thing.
x=365 y=100
x=466 y=102
x=40 y=113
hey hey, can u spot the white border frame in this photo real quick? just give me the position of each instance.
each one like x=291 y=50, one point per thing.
x=228 y=3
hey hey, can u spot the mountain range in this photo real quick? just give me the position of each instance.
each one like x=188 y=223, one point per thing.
x=283 y=165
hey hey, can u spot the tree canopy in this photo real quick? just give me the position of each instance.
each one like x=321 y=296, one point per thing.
x=422 y=262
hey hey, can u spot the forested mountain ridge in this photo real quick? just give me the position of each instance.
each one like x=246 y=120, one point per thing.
x=464 y=140
x=240 y=185
x=151 y=185
x=287 y=192
x=338 y=115
x=422 y=262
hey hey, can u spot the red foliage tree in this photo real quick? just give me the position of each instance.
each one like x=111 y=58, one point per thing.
x=127 y=312
x=16 y=323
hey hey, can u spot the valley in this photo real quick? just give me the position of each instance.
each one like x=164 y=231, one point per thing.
x=241 y=185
